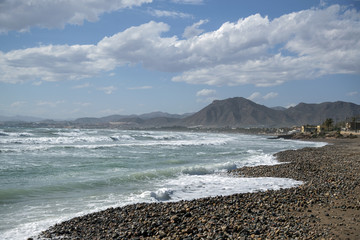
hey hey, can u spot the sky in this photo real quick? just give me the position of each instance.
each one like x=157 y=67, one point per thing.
x=67 y=59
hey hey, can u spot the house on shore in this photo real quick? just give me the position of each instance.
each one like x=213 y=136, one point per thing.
x=353 y=126
x=311 y=129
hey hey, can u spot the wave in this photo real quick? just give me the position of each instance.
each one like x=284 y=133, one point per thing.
x=16 y=134
x=258 y=160
x=121 y=137
x=124 y=140
x=3 y=134
x=162 y=194
x=199 y=186
x=210 y=169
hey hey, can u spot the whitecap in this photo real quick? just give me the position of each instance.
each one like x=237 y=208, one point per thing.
x=162 y=194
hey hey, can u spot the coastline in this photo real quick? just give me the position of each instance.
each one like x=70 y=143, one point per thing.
x=326 y=206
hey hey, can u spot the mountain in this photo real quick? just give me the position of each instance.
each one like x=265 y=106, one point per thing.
x=279 y=108
x=237 y=112
x=153 y=119
x=233 y=112
x=304 y=113
x=241 y=112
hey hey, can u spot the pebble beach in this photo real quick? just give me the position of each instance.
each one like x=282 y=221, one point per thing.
x=325 y=206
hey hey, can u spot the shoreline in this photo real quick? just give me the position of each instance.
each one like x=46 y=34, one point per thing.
x=326 y=206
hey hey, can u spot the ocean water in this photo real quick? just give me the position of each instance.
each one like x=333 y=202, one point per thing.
x=51 y=175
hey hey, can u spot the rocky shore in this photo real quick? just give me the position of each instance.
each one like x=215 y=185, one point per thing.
x=326 y=206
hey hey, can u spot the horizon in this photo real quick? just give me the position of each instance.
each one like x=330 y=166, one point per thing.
x=67 y=60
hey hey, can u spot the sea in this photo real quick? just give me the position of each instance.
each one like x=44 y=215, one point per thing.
x=49 y=175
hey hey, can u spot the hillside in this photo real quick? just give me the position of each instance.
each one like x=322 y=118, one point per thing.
x=241 y=112
x=237 y=112
x=317 y=113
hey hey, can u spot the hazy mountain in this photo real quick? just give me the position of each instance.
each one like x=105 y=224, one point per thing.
x=139 y=119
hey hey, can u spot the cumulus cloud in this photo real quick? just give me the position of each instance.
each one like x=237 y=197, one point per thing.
x=254 y=96
x=254 y=50
x=164 y=13
x=206 y=95
x=205 y=92
x=270 y=95
x=56 y=14
x=257 y=96
x=194 y=30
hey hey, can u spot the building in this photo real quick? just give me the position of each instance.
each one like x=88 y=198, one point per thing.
x=308 y=129
x=353 y=126
x=311 y=129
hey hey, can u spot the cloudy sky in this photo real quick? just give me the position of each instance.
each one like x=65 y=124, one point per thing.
x=73 y=58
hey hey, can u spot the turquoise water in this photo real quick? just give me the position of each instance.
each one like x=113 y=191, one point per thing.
x=50 y=175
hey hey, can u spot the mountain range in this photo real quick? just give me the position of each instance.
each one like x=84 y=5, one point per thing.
x=232 y=112
x=241 y=112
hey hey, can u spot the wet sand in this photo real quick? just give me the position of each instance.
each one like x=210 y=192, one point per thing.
x=326 y=206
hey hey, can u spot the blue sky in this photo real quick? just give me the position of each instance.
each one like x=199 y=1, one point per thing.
x=73 y=58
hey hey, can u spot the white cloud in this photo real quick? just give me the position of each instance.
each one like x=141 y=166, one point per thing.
x=164 y=13
x=206 y=95
x=108 y=90
x=270 y=95
x=257 y=96
x=205 y=92
x=21 y=15
x=313 y=43
x=193 y=30
x=254 y=96
x=254 y=50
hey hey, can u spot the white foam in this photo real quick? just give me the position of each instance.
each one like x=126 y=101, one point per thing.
x=163 y=194
x=258 y=160
x=187 y=187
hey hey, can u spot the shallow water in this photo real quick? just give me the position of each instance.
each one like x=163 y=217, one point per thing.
x=50 y=175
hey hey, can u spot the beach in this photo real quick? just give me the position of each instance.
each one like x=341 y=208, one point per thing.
x=325 y=206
